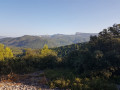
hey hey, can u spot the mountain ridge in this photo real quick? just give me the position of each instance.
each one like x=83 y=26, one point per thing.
x=56 y=40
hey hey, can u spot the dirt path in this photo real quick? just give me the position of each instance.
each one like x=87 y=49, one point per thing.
x=33 y=81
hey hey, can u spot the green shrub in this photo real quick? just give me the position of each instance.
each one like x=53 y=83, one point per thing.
x=82 y=84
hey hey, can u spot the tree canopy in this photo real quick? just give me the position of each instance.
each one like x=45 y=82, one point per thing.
x=5 y=52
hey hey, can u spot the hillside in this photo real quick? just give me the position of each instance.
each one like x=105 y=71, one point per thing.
x=65 y=50
x=56 y=40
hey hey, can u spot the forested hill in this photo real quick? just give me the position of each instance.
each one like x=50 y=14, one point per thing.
x=65 y=50
x=56 y=40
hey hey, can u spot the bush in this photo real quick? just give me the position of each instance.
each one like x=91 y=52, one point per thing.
x=48 y=62
x=60 y=83
x=82 y=84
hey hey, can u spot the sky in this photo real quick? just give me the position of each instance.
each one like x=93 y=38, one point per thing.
x=47 y=17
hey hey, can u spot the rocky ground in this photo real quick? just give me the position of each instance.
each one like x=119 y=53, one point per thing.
x=33 y=81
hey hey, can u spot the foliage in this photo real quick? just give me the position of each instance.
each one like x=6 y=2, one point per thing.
x=65 y=50
x=100 y=57
x=82 y=84
x=64 y=80
x=47 y=52
x=5 y=52
x=59 y=73
x=17 y=51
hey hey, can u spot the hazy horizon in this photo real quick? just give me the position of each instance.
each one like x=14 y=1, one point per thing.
x=45 y=34
x=48 y=17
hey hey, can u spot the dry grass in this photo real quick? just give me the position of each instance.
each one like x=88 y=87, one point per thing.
x=10 y=78
x=16 y=78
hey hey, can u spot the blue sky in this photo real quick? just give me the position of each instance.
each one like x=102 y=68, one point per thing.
x=38 y=17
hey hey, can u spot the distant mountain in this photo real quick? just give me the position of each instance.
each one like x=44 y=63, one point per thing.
x=85 y=34
x=56 y=40
x=2 y=37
